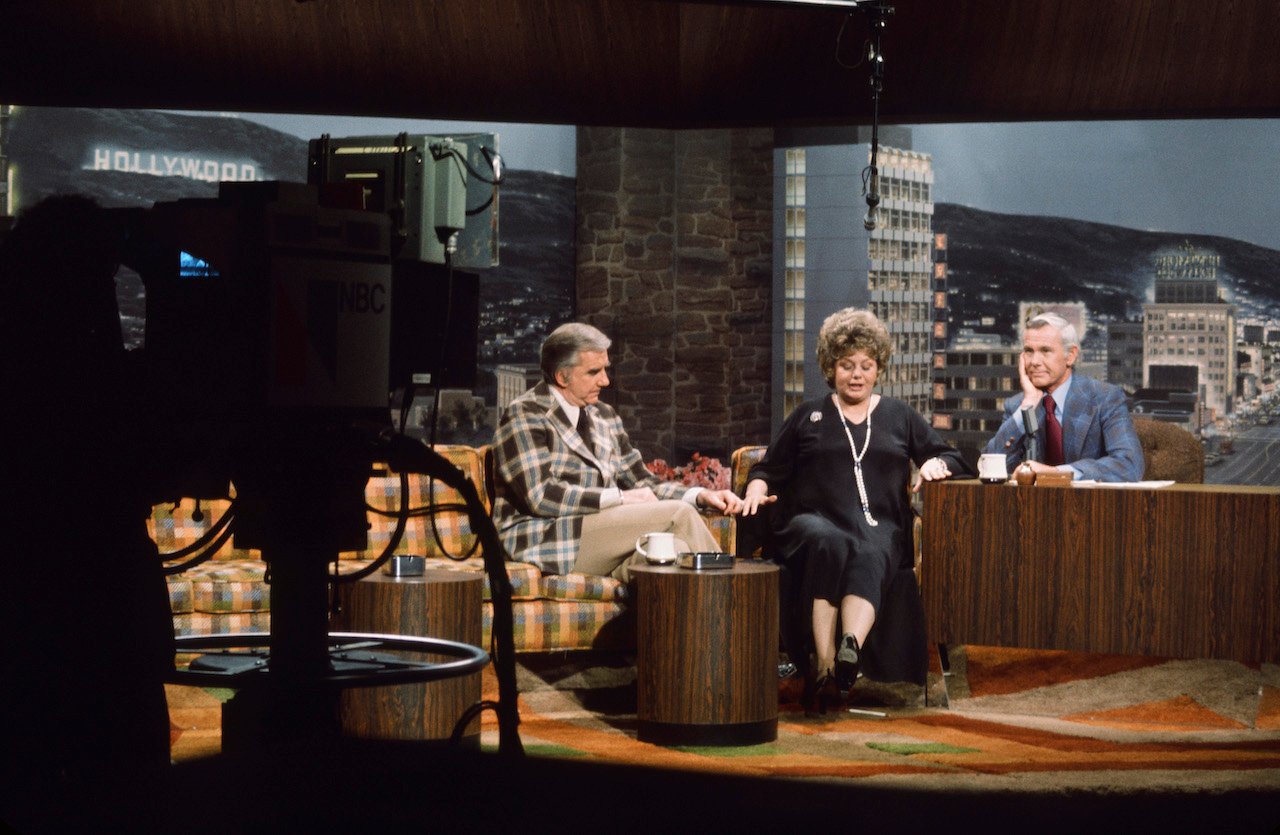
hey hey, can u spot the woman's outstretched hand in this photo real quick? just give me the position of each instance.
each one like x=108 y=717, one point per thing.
x=757 y=495
x=935 y=469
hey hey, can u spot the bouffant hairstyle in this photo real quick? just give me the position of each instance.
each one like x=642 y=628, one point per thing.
x=849 y=331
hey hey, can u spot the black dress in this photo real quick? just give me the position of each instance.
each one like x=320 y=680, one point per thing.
x=823 y=539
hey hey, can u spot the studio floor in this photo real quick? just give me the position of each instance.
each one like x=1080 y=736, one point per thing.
x=1015 y=720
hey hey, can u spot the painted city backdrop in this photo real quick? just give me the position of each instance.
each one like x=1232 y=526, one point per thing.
x=135 y=158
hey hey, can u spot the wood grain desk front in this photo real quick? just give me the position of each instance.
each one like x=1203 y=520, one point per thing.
x=1184 y=571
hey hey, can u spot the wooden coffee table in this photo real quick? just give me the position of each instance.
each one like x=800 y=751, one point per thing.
x=438 y=604
x=707 y=654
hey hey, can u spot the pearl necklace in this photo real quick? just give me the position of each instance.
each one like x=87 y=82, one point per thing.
x=857 y=460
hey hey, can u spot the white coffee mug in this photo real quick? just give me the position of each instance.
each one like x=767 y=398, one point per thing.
x=991 y=468
x=662 y=547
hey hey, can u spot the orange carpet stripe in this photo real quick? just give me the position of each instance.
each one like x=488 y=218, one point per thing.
x=1168 y=714
x=995 y=671
x=1061 y=742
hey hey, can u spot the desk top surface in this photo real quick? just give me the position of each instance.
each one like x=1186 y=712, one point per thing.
x=1172 y=488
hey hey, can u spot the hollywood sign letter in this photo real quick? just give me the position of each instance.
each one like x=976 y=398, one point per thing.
x=160 y=164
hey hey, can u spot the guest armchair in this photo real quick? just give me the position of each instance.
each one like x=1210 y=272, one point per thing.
x=1171 y=452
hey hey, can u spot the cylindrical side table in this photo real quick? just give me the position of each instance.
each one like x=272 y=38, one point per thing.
x=707 y=654
x=439 y=604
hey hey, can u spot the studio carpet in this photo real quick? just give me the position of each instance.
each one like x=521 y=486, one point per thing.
x=1017 y=721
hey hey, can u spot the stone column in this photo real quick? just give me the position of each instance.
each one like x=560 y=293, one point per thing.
x=674 y=262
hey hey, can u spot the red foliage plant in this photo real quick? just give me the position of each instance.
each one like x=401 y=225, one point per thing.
x=701 y=471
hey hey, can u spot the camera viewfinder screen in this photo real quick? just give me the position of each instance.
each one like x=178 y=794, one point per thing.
x=189 y=266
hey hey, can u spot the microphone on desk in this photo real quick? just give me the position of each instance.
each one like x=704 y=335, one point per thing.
x=1031 y=444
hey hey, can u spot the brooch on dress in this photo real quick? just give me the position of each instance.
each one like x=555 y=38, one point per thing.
x=815 y=416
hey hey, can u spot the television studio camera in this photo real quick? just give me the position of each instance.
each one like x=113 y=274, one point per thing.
x=281 y=318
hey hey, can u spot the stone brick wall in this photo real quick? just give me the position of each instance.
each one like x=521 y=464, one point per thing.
x=674 y=262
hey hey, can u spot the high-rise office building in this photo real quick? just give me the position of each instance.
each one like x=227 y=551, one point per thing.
x=513 y=380
x=1255 y=359
x=1252 y=332
x=973 y=379
x=828 y=260
x=1124 y=355
x=1189 y=333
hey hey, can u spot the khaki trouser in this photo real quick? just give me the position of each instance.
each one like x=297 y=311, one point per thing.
x=609 y=537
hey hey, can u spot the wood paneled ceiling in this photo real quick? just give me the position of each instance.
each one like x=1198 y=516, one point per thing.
x=669 y=63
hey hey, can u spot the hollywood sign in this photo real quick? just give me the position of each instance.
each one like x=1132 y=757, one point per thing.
x=1188 y=263
x=160 y=164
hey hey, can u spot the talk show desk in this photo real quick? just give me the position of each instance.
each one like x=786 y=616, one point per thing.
x=1184 y=571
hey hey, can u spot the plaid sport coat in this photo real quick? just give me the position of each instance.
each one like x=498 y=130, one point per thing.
x=546 y=480
x=1098 y=437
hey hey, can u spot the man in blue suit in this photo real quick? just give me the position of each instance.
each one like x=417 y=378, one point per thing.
x=1080 y=426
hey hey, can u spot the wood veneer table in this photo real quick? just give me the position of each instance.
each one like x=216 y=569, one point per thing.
x=707 y=654
x=1185 y=571
x=439 y=604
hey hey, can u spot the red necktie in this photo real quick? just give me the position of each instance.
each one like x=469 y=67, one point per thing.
x=1052 y=433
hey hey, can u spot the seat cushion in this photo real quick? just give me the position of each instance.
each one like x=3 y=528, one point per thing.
x=180 y=594
x=547 y=625
x=221 y=587
x=206 y=623
x=583 y=587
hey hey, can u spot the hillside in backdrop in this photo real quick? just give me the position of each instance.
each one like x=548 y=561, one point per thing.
x=996 y=260
x=138 y=157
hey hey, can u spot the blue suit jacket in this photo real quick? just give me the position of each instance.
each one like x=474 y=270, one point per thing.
x=1098 y=437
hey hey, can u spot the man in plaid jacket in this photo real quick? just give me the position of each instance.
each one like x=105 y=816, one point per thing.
x=573 y=495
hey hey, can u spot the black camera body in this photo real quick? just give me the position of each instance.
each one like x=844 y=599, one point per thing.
x=264 y=300
x=268 y=315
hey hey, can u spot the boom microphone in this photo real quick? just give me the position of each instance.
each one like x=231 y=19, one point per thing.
x=873 y=201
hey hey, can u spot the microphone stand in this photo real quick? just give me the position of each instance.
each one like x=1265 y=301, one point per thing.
x=878 y=12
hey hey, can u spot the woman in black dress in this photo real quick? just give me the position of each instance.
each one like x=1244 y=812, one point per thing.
x=838 y=471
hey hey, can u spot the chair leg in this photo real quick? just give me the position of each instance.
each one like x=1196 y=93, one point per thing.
x=939 y=668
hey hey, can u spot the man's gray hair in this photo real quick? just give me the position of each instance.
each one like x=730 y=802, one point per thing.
x=561 y=348
x=1064 y=328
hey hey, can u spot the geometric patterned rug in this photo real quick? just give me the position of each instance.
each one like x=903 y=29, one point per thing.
x=1017 y=720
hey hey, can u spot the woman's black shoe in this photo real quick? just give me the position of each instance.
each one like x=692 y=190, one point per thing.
x=819 y=694
x=847 y=658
